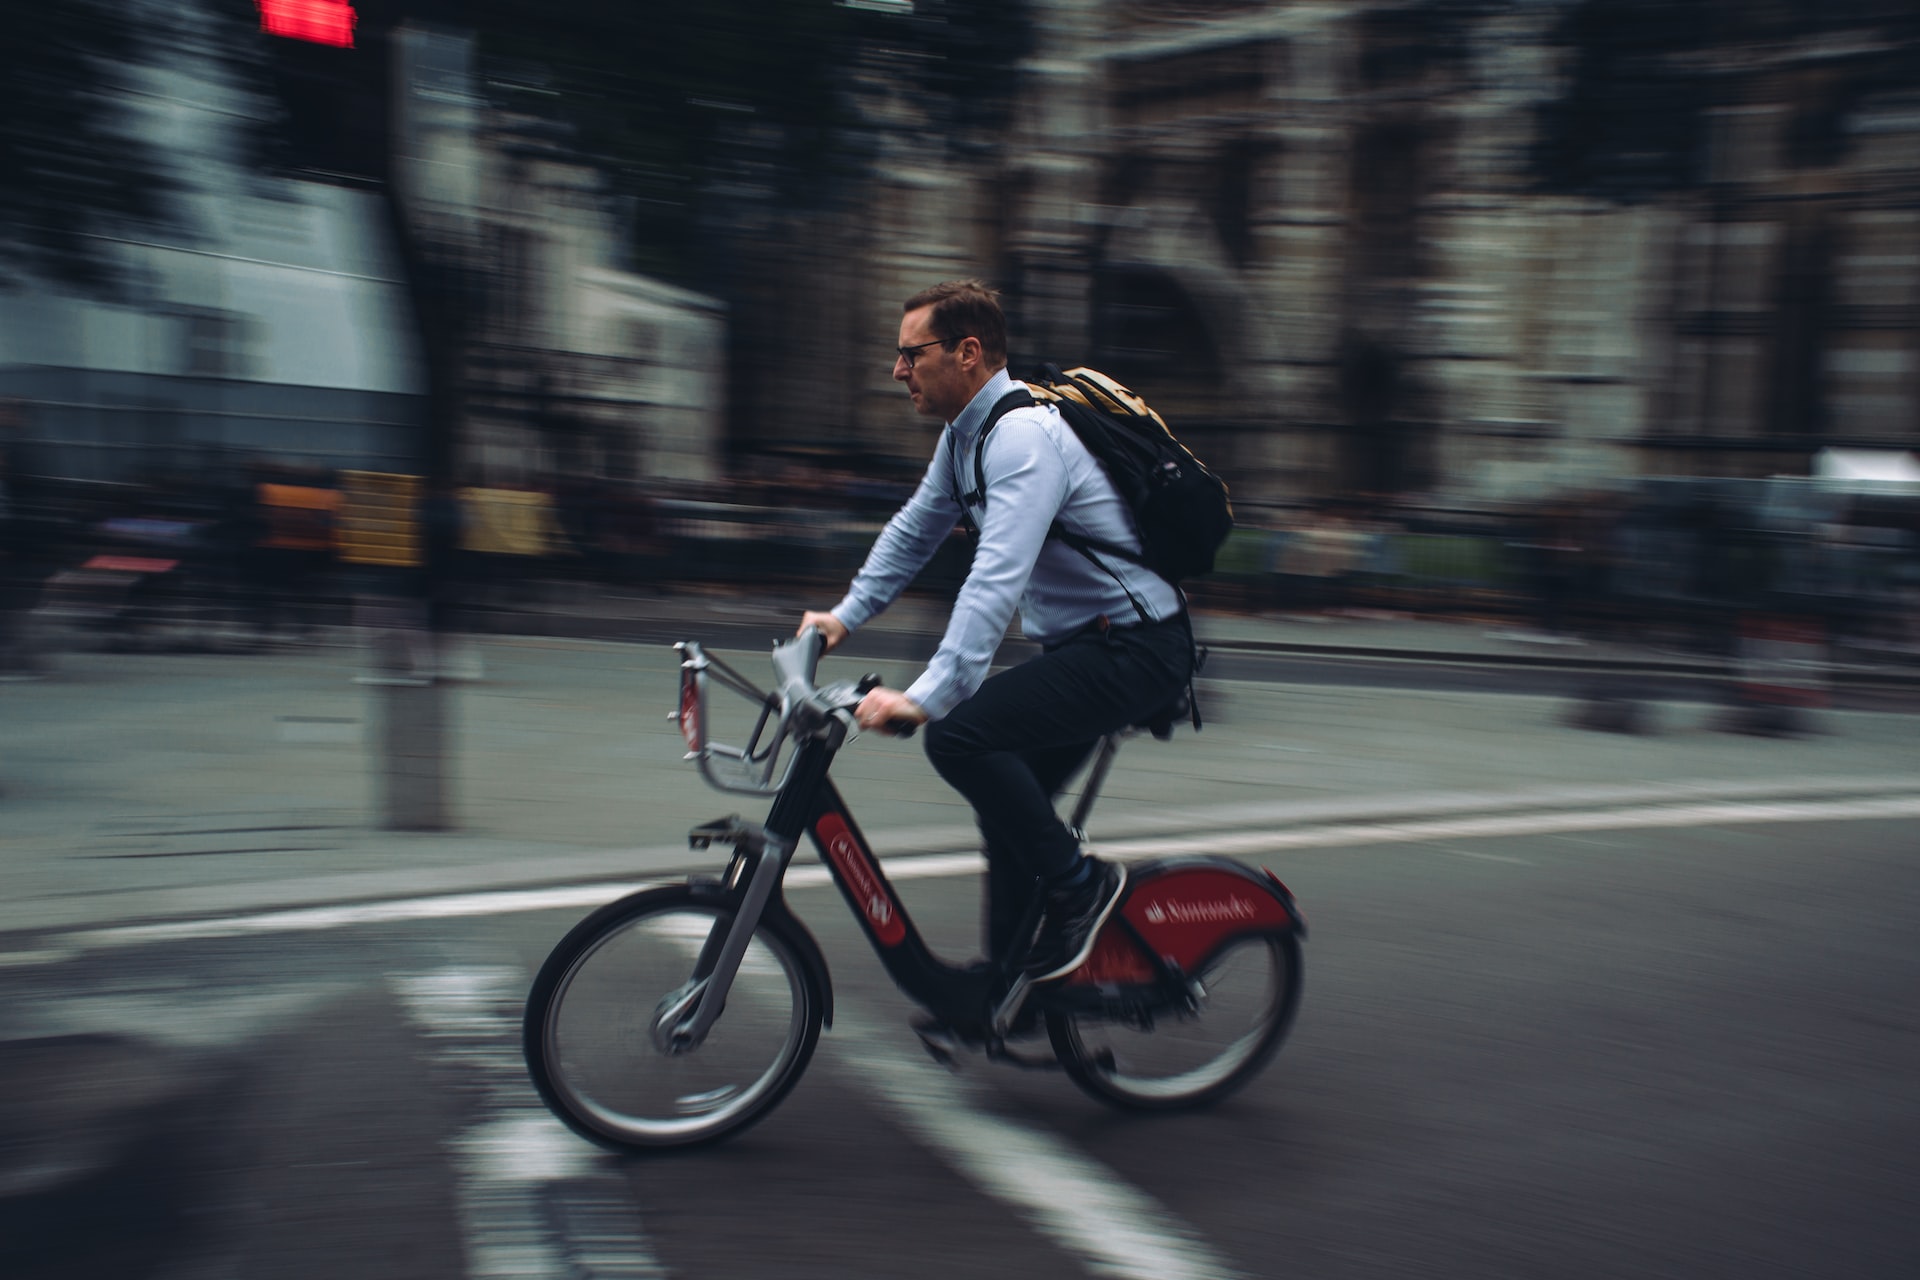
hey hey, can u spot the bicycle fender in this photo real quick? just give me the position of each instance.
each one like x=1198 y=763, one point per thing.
x=778 y=917
x=1183 y=910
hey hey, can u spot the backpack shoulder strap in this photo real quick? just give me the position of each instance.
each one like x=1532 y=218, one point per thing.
x=1018 y=398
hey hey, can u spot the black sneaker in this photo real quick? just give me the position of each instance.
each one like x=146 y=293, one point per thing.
x=1073 y=921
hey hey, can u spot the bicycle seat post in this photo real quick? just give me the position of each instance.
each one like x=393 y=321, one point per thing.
x=1096 y=776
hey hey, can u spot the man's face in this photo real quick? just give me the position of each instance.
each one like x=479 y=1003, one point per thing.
x=937 y=382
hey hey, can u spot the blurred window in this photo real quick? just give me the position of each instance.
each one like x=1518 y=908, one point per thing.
x=1387 y=181
x=1147 y=327
x=1729 y=266
x=1181 y=86
x=1880 y=263
x=1745 y=143
x=214 y=344
x=1870 y=385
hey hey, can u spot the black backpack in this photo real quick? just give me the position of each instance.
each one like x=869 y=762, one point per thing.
x=1180 y=509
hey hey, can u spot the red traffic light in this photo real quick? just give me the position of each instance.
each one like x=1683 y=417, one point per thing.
x=321 y=21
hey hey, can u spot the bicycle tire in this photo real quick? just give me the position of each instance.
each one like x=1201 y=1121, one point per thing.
x=1117 y=1064
x=587 y=1028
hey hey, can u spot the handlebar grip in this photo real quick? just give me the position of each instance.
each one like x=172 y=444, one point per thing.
x=901 y=728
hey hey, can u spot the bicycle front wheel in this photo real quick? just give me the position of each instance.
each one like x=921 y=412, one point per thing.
x=1190 y=1059
x=589 y=1038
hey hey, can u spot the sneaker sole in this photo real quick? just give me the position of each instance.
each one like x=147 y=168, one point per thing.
x=1093 y=934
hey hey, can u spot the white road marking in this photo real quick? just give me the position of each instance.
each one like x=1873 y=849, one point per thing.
x=1433 y=804
x=536 y=1202
x=1082 y=1205
x=36 y=958
x=1228 y=843
x=1486 y=825
x=1485 y=857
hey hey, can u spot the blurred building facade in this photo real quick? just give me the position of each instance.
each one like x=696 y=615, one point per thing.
x=271 y=322
x=1310 y=233
x=572 y=366
x=275 y=322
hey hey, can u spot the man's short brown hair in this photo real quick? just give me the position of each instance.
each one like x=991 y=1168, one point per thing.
x=965 y=309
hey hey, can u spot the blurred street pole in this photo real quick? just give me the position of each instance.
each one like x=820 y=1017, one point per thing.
x=428 y=187
x=397 y=95
x=378 y=87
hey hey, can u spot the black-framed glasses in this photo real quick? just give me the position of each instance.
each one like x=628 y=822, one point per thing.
x=912 y=353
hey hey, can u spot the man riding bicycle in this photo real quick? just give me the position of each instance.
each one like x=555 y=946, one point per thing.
x=1116 y=643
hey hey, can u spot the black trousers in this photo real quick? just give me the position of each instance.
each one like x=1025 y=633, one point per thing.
x=1011 y=747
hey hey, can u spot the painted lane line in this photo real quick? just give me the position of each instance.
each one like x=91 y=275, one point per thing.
x=1487 y=857
x=932 y=866
x=1685 y=815
x=1083 y=1206
x=304 y=919
x=534 y=1200
x=1170 y=821
x=190 y=910
x=436 y=907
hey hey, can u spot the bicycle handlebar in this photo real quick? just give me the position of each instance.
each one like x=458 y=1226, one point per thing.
x=794 y=663
x=796 y=708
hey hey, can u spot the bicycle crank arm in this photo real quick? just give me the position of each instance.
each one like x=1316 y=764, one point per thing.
x=1004 y=1013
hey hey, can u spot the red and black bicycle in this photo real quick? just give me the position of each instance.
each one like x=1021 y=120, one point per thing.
x=681 y=1014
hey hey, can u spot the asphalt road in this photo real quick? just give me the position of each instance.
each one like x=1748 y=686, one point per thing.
x=1591 y=1050
x=1576 y=1004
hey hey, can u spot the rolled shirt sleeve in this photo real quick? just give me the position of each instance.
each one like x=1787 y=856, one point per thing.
x=905 y=545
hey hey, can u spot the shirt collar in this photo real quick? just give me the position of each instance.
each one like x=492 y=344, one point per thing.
x=983 y=400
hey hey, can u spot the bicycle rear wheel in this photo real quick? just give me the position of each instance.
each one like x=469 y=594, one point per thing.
x=1189 y=1060
x=588 y=1032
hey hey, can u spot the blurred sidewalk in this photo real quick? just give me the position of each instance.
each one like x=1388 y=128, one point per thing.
x=160 y=786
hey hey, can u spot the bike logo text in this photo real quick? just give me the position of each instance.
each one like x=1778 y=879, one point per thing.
x=861 y=879
x=1218 y=911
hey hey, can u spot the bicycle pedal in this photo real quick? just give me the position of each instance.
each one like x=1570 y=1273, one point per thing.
x=941 y=1045
x=1008 y=1011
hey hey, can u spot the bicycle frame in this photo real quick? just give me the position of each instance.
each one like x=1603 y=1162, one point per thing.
x=805 y=801
x=1126 y=978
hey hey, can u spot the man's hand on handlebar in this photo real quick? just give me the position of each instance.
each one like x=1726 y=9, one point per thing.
x=889 y=711
x=831 y=627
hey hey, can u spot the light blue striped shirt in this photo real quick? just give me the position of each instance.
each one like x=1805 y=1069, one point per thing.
x=1037 y=471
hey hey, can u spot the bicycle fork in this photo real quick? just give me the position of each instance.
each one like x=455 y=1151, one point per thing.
x=685 y=1015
